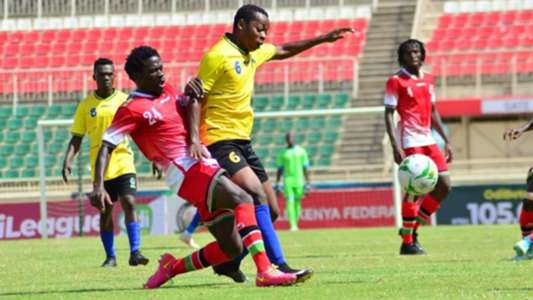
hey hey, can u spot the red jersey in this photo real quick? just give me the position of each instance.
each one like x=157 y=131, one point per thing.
x=413 y=98
x=156 y=124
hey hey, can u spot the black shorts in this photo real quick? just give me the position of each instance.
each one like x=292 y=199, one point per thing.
x=121 y=186
x=234 y=155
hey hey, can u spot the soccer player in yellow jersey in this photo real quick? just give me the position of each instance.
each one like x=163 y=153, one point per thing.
x=93 y=115
x=227 y=72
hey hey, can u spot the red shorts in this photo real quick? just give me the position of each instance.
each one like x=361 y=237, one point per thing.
x=433 y=152
x=197 y=188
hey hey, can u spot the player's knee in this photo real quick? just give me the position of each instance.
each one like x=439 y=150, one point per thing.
x=527 y=203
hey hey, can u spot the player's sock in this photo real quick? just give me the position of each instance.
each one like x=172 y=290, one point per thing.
x=409 y=212
x=209 y=255
x=428 y=207
x=273 y=247
x=134 y=236
x=291 y=211
x=526 y=220
x=193 y=225
x=108 y=240
x=251 y=235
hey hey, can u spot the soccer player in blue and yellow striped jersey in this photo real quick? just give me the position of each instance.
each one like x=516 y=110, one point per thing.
x=93 y=115
x=227 y=72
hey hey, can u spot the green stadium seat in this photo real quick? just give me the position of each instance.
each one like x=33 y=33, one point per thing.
x=330 y=137
x=279 y=139
x=302 y=124
x=12 y=137
x=294 y=102
x=68 y=110
x=262 y=152
x=264 y=139
x=6 y=149
x=50 y=161
x=28 y=136
x=62 y=135
x=16 y=162
x=286 y=125
x=334 y=122
x=269 y=125
x=11 y=174
x=277 y=103
x=311 y=150
x=55 y=147
x=3 y=162
x=14 y=123
x=22 y=111
x=309 y=101
x=30 y=122
x=6 y=111
x=3 y=122
x=31 y=161
x=22 y=149
x=324 y=101
x=317 y=123
x=299 y=138
x=53 y=111
x=37 y=110
x=260 y=103
x=326 y=150
x=341 y=100
x=314 y=137
x=29 y=173
x=324 y=161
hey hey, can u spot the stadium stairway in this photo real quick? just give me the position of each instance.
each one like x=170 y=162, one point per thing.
x=390 y=24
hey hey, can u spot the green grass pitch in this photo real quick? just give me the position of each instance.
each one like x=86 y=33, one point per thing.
x=464 y=262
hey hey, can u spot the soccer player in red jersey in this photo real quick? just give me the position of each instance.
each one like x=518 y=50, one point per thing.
x=411 y=92
x=523 y=247
x=160 y=122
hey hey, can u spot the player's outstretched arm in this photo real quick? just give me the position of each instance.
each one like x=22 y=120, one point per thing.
x=292 y=48
x=436 y=122
x=100 y=197
x=514 y=133
x=194 y=92
x=72 y=149
x=399 y=155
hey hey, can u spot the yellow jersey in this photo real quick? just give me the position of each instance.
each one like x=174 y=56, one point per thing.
x=93 y=116
x=227 y=73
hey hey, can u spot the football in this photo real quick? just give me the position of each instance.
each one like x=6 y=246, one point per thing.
x=418 y=174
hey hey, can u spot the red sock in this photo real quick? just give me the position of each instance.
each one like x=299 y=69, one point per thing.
x=251 y=235
x=409 y=211
x=526 y=222
x=427 y=208
x=205 y=257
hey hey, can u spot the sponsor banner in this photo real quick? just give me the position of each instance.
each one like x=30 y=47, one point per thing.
x=506 y=106
x=482 y=204
x=165 y=213
x=343 y=208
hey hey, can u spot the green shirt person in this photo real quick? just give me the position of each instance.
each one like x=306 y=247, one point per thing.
x=293 y=163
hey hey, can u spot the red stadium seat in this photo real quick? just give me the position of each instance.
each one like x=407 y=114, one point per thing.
x=509 y=17
x=57 y=61
x=64 y=35
x=445 y=21
x=124 y=33
x=79 y=35
x=94 y=35
x=27 y=49
x=48 y=36
x=43 y=49
x=525 y=17
x=460 y=20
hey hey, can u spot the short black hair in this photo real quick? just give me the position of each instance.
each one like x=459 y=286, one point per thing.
x=247 y=13
x=101 y=62
x=410 y=42
x=136 y=58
